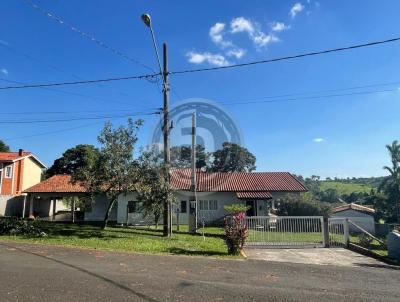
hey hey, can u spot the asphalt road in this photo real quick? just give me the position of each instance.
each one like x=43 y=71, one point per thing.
x=45 y=273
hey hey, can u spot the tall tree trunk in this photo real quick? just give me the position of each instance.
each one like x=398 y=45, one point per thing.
x=110 y=205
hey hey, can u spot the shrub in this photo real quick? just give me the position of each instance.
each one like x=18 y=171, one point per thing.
x=14 y=226
x=236 y=208
x=365 y=240
x=235 y=232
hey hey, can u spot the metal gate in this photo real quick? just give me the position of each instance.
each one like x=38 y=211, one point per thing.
x=285 y=231
x=337 y=231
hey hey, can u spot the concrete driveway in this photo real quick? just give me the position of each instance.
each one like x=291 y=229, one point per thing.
x=31 y=272
x=321 y=256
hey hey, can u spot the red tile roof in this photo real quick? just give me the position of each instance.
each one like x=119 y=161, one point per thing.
x=237 y=181
x=57 y=184
x=10 y=156
x=353 y=206
x=260 y=182
x=254 y=195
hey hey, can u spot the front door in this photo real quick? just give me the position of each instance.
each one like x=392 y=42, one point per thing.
x=252 y=210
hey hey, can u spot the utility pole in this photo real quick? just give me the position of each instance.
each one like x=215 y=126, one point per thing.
x=167 y=215
x=167 y=155
x=193 y=199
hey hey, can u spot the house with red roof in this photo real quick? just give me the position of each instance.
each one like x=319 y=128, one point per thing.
x=258 y=190
x=19 y=171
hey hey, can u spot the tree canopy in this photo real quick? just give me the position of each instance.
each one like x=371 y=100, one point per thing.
x=303 y=204
x=116 y=172
x=4 y=147
x=233 y=158
x=80 y=157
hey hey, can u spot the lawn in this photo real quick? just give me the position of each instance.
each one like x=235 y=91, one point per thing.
x=138 y=239
x=345 y=188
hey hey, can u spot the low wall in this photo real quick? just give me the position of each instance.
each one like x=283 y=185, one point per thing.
x=11 y=205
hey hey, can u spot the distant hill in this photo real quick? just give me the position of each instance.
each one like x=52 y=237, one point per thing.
x=345 y=188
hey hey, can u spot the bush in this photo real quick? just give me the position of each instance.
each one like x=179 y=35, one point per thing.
x=236 y=208
x=14 y=226
x=303 y=204
x=235 y=233
x=365 y=240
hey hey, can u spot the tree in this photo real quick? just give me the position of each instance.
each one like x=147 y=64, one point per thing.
x=303 y=204
x=181 y=156
x=153 y=190
x=4 y=147
x=80 y=157
x=116 y=172
x=233 y=158
x=390 y=186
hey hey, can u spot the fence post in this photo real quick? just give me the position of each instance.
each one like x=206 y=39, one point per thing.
x=325 y=231
x=346 y=232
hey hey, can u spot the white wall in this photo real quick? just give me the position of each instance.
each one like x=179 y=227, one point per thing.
x=222 y=198
x=99 y=208
x=364 y=220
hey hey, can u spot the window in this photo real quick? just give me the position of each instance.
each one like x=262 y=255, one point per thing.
x=8 y=173
x=183 y=206
x=133 y=206
x=208 y=205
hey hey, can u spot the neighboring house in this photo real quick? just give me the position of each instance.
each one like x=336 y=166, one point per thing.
x=19 y=171
x=361 y=215
x=214 y=190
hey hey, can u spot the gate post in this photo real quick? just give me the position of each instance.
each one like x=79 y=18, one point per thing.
x=346 y=232
x=325 y=231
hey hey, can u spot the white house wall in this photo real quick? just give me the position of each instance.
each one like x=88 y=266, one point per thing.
x=99 y=208
x=222 y=198
x=366 y=221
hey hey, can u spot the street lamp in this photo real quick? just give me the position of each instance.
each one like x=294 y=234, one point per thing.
x=167 y=229
x=147 y=21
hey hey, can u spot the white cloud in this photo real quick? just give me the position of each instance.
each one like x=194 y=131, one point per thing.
x=4 y=71
x=237 y=53
x=279 y=26
x=297 y=8
x=319 y=140
x=241 y=24
x=259 y=38
x=216 y=35
x=212 y=59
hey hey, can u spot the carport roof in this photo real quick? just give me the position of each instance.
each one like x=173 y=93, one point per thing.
x=57 y=184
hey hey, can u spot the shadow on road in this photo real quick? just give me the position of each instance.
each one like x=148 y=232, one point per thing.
x=105 y=279
x=370 y=265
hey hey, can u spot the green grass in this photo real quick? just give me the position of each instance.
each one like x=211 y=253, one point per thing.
x=345 y=188
x=287 y=237
x=138 y=239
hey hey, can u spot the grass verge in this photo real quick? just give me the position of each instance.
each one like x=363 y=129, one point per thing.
x=138 y=239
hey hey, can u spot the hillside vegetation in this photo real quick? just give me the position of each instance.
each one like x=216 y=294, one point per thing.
x=345 y=188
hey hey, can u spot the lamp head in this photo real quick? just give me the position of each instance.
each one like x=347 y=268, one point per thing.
x=146 y=19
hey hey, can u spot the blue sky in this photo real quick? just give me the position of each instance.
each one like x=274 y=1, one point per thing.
x=333 y=136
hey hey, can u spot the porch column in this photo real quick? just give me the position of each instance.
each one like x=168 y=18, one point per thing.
x=31 y=207
x=53 y=208
x=24 y=206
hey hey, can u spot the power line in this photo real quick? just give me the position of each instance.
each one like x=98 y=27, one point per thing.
x=53 y=132
x=254 y=101
x=145 y=76
x=86 y=35
x=309 y=54
x=73 y=119
x=51 y=66
x=105 y=100
x=68 y=112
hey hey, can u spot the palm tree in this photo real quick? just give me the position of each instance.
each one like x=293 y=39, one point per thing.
x=391 y=184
